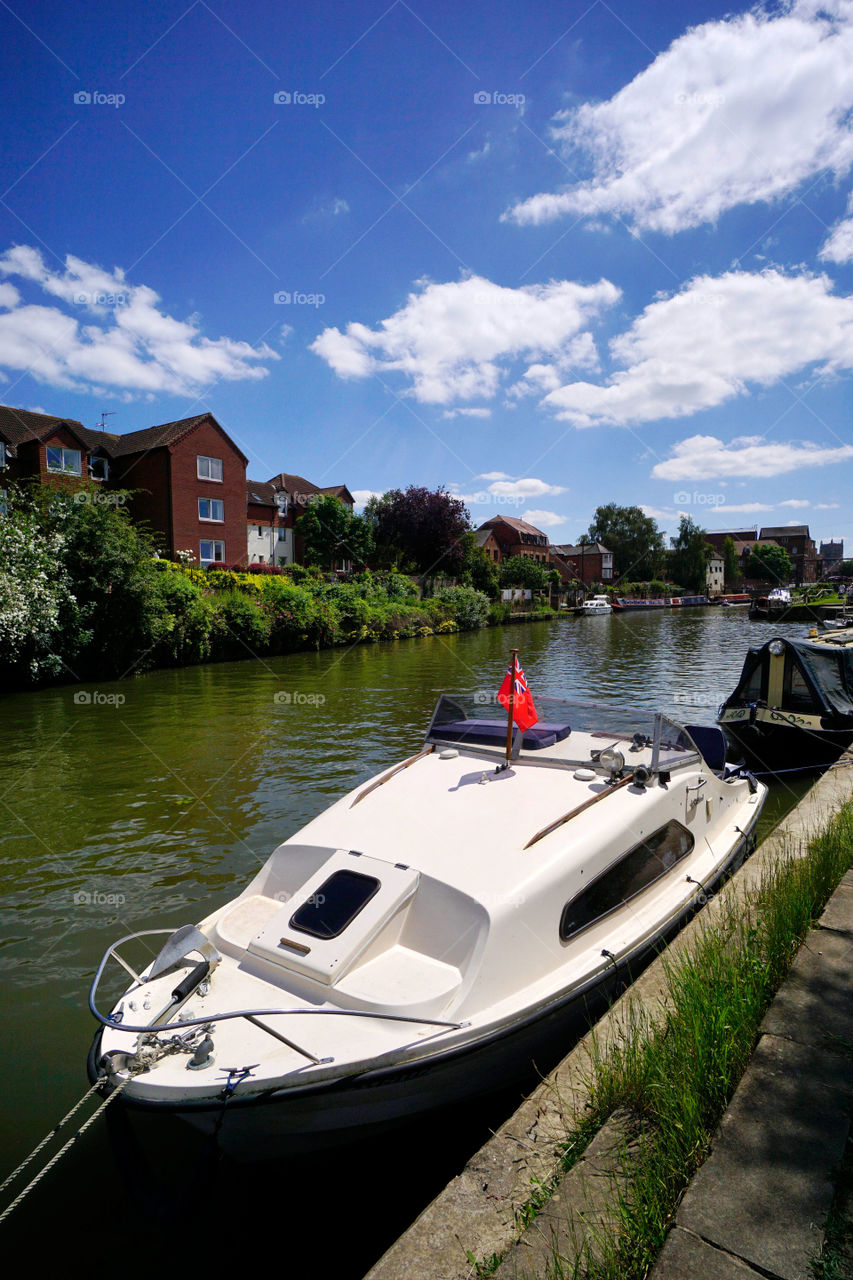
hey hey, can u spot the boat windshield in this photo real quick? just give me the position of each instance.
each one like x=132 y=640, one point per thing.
x=575 y=730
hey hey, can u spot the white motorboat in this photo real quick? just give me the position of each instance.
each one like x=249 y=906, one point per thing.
x=423 y=938
x=596 y=604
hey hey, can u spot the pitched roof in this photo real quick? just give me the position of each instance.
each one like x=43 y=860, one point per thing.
x=18 y=426
x=261 y=492
x=592 y=548
x=519 y=526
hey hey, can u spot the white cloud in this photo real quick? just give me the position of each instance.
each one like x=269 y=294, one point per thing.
x=362 y=496
x=701 y=457
x=827 y=506
x=114 y=337
x=734 y=112
x=795 y=502
x=707 y=343
x=528 y=487
x=467 y=413
x=453 y=341
x=839 y=247
x=543 y=519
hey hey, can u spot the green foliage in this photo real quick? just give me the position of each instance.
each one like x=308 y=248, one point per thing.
x=688 y=560
x=731 y=565
x=523 y=571
x=633 y=537
x=468 y=608
x=332 y=533
x=419 y=530
x=769 y=564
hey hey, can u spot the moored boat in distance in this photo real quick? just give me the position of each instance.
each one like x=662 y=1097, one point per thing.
x=596 y=604
x=628 y=603
x=792 y=707
x=425 y=937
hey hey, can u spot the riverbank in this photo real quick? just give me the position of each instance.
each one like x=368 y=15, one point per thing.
x=514 y=1210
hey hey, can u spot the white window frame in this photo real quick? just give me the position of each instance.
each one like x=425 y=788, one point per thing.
x=204 y=471
x=105 y=463
x=212 y=543
x=3 y=458
x=212 y=504
x=64 y=468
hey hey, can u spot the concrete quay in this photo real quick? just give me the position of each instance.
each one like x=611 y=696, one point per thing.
x=758 y=1204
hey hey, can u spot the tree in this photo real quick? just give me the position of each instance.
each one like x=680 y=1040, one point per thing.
x=523 y=571
x=690 y=555
x=419 y=530
x=633 y=537
x=731 y=567
x=770 y=564
x=479 y=569
x=332 y=533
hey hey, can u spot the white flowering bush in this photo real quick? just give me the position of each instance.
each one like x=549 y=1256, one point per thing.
x=36 y=599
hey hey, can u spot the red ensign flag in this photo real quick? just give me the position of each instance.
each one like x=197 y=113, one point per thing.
x=523 y=711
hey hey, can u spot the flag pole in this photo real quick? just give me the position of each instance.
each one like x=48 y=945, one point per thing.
x=511 y=707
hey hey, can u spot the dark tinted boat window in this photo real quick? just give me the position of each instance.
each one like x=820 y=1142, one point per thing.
x=335 y=904
x=631 y=874
x=797 y=696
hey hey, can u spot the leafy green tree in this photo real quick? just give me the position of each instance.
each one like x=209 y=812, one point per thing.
x=731 y=565
x=690 y=555
x=769 y=564
x=419 y=530
x=479 y=569
x=633 y=537
x=331 y=533
x=523 y=571
x=36 y=599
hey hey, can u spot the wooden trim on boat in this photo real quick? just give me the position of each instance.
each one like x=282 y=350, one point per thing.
x=587 y=804
x=386 y=777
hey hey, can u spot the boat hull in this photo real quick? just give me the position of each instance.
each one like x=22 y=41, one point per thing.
x=354 y=1108
x=785 y=748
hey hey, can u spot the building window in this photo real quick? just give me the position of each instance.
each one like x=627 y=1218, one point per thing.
x=209 y=468
x=282 y=535
x=211 y=509
x=68 y=461
x=211 y=552
x=99 y=468
x=2 y=454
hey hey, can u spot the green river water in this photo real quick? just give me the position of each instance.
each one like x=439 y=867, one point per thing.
x=145 y=803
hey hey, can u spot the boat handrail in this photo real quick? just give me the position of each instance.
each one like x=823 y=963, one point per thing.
x=108 y=1020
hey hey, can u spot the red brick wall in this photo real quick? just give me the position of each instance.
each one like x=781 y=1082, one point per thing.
x=148 y=473
x=208 y=441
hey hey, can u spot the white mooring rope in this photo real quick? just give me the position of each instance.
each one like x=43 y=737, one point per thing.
x=54 y=1159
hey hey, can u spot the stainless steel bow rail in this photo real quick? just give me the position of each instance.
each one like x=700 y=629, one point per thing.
x=193 y=980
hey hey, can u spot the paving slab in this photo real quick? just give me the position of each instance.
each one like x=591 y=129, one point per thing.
x=815 y=1004
x=687 y=1257
x=764 y=1192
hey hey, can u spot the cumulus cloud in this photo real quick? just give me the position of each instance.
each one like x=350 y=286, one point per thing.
x=112 y=335
x=543 y=519
x=700 y=457
x=455 y=341
x=839 y=244
x=733 y=112
x=708 y=343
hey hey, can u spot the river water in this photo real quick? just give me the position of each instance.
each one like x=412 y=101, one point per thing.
x=145 y=803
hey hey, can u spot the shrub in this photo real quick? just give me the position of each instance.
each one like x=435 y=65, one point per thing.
x=470 y=608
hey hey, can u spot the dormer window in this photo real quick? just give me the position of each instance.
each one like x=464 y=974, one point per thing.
x=67 y=461
x=99 y=467
x=3 y=458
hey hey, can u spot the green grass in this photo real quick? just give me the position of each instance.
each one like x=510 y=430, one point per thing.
x=673 y=1079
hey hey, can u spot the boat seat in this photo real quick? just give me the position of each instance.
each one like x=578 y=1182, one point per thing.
x=711 y=742
x=491 y=733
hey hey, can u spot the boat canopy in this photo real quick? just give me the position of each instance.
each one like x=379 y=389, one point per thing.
x=827 y=673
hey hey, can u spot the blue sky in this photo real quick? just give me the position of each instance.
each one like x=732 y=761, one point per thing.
x=548 y=256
